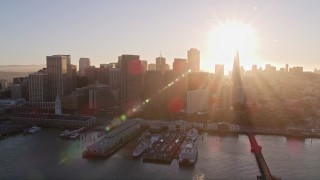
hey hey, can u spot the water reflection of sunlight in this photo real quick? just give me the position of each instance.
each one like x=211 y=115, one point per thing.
x=197 y=174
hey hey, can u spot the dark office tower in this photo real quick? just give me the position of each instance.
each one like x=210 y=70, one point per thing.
x=38 y=87
x=194 y=59
x=161 y=64
x=91 y=73
x=197 y=80
x=236 y=71
x=131 y=81
x=57 y=68
x=83 y=64
x=144 y=64
x=114 y=78
x=180 y=65
x=238 y=94
x=154 y=82
x=72 y=78
x=103 y=74
x=175 y=93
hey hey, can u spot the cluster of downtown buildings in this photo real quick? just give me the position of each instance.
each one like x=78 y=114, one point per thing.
x=132 y=85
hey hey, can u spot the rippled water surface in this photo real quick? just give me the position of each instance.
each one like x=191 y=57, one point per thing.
x=46 y=156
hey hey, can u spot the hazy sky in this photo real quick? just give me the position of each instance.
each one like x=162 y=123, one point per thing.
x=287 y=31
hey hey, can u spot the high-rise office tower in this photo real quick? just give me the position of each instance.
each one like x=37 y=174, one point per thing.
x=114 y=78
x=153 y=83
x=57 y=68
x=161 y=64
x=180 y=65
x=219 y=72
x=197 y=80
x=131 y=81
x=144 y=64
x=91 y=73
x=83 y=64
x=194 y=59
x=238 y=94
x=38 y=87
x=236 y=71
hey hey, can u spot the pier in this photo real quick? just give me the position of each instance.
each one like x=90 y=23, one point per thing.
x=165 y=150
x=264 y=169
x=113 y=140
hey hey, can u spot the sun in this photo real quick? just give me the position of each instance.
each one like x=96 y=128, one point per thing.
x=225 y=38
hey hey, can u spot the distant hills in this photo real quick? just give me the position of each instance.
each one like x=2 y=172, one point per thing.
x=9 y=72
x=21 y=68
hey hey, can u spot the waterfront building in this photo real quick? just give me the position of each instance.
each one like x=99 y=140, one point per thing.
x=83 y=64
x=54 y=120
x=194 y=59
x=11 y=103
x=120 y=134
x=131 y=81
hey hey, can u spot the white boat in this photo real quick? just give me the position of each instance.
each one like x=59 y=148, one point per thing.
x=74 y=135
x=192 y=134
x=154 y=139
x=34 y=129
x=65 y=133
x=139 y=149
x=189 y=153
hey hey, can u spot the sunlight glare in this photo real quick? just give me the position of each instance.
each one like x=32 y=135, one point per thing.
x=226 y=38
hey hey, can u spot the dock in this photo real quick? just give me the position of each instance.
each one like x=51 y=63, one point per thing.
x=166 y=149
x=114 y=140
x=264 y=169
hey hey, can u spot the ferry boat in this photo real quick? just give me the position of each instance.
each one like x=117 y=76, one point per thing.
x=74 y=135
x=189 y=153
x=65 y=133
x=34 y=129
x=192 y=134
x=139 y=149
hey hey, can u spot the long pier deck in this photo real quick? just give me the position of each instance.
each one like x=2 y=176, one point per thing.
x=264 y=169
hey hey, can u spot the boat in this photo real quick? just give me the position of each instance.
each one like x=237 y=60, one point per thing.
x=192 y=134
x=139 y=149
x=34 y=129
x=189 y=153
x=154 y=139
x=65 y=133
x=74 y=135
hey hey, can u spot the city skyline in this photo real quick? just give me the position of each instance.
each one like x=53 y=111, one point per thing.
x=36 y=29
